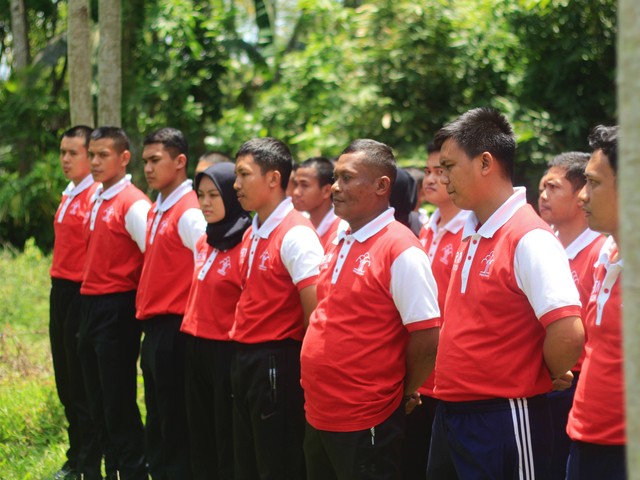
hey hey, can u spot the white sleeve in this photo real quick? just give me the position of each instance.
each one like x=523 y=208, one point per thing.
x=135 y=221
x=413 y=287
x=191 y=226
x=542 y=272
x=301 y=253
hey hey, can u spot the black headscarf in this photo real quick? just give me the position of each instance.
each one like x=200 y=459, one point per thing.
x=227 y=232
x=404 y=196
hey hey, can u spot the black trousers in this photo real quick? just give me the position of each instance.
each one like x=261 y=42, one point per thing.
x=268 y=411
x=209 y=407
x=371 y=454
x=109 y=345
x=162 y=362
x=417 y=438
x=84 y=454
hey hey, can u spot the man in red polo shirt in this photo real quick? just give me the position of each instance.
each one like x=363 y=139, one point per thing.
x=69 y=251
x=174 y=224
x=560 y=207
x=440 y=237
x=372 y=339
x=512 y=314
x=312 y=194
x=278 y=294
x=109 y=336
x=597 y=420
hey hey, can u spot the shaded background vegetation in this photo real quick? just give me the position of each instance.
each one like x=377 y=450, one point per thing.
x=315 y=73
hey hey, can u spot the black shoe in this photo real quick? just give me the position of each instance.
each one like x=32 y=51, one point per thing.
x=66 y=473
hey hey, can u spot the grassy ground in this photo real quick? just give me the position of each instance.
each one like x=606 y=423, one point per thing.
x=33 y=437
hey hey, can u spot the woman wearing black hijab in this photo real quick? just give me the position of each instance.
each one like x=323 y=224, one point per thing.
x=210 y=314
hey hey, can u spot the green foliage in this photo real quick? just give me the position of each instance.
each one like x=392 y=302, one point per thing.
x=394 y=70
x=570 y=65
x=28 y=203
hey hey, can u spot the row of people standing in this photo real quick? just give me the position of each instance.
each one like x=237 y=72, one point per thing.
x=371 y=340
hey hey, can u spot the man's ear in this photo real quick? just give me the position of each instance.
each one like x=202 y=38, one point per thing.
x=273 y=178
x=181 y=161
x=326 y=191
x=487 y=163
x=125 y=158
x=383 y=185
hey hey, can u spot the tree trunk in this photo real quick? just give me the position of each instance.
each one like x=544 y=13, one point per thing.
x=110 y=63
x=629 y=201
x=20 y=33
x=79 y=54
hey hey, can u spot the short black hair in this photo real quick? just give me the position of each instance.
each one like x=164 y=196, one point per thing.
x=606 y=139
x=479 y=130
x=574 y=164
x=214 y=157
x=79 y=131
x=172 y=139
x=324 y=169
x=432 y=147
x=269 y=154
x=116 y=134
x=376 y=153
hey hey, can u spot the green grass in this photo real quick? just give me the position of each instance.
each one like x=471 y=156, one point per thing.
x=33 y=437
x=32 y=424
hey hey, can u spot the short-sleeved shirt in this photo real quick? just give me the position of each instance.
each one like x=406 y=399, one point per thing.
x=69 y=247
x=328 y=227
x=375 y=286
x=174 y=225
x=598 y=412
x=510 y=280
x=215 y=291
x=583 y=253
x=283 y=255
x=441 y=244
x=115 y=233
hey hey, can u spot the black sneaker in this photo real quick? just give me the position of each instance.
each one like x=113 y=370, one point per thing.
x=66 y=473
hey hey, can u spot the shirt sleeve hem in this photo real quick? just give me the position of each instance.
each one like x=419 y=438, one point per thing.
x=423 y=324
x=306 y=282
x=559 y=313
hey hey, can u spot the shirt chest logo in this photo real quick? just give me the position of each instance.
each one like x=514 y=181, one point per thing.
x=107 y=215
x=487 y=263
x=74 y=207
x=447 y=253
x=224 y=265
x=362 y=262
x=457 y=260
x=324 y=263
x=264 y=259
x=164 y=224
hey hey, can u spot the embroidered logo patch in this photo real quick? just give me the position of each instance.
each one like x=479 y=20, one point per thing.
x=264 y=258
x=224 y=265
x=73 y=208
x=487 y=262
x=447 y=253
x=163 y=227
x=324 y=263
x=107 y=214
x=362 y=261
